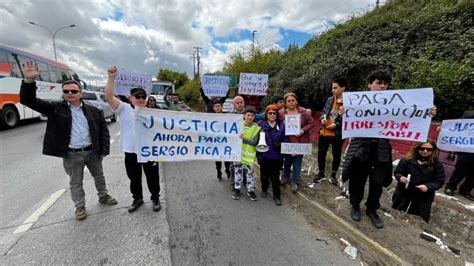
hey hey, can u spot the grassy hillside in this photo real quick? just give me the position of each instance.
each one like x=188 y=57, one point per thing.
x=423 y=43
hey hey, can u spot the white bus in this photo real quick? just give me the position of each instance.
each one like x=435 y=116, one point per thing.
x=51 y=75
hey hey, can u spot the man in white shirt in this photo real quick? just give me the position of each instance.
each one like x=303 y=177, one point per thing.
x=127 y=115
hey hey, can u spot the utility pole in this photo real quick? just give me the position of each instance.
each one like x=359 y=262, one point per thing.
x=377 y=2
x=253 y=42
x=198 y=58
x=193 y=56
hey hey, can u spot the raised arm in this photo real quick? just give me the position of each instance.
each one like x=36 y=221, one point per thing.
x=28 y=90
x=109 y=88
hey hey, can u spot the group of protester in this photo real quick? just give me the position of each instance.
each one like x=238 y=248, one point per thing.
x=78 y=133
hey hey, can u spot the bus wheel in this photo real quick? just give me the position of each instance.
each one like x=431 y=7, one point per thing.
x=9 y=117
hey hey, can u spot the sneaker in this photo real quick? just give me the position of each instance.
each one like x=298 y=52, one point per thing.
x=252 y=195
x=107 y=200
x=135 y=205
x=294 y=187
x=236 y=194
x=156 y=205
x=264 y=194
x=333 y=180
x=318 y=178
x=81 y=213
x=277 y=201
x=449 y=192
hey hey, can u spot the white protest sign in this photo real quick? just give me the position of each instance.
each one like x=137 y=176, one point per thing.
x=457 y=135
x=253 y=84
x=292 y=124
x=125 y=81
x=296 y=148
x=215 y=86
x=163 y=135
x=391 y=114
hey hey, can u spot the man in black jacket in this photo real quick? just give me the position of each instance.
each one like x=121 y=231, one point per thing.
x=75 y=131
x=370 y=158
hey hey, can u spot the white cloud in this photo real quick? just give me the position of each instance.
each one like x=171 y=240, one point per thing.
x=144 y=36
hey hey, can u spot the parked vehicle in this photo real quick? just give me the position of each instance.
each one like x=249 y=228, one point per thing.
x=97 y=99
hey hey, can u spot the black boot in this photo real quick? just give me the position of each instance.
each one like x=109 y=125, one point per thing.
x=374 y=218
x=355 y=213
x=219 y=175
x=156 y=205
x=319 y=177
x=333 y=179
x=135 y=205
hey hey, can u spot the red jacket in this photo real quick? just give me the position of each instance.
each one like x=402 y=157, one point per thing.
x=306 y=125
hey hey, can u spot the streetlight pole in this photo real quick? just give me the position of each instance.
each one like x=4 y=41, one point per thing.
x=53 y=34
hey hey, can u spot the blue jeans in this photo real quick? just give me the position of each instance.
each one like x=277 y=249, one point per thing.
x=296 y=162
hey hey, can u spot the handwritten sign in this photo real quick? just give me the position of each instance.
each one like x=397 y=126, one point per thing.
x=253 y=84
x=215 y=85
x=392 y=114
x=457 y=135
x=292 y=125
x=164 y=135
x=125 y=81
x=296 y=148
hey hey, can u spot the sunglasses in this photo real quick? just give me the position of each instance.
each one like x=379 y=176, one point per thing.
x=143 y=97
x=425 y=149
x=272 y=113
x=70 y=91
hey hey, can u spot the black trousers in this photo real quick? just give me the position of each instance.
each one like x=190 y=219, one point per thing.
x=219 y=166
x=464 y=168
x=134 y=173
x=323 y=146
x=375 y=171
x=270 y=172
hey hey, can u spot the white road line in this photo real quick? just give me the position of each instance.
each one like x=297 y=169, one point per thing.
x=40 y=211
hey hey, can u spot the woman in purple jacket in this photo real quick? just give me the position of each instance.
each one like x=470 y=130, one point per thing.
x=271 y=160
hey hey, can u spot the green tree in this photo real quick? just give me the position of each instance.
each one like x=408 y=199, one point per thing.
x=179 y=79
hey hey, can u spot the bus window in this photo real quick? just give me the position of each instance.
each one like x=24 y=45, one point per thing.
x=55 y=74
x=65 y=75
x=43 y=72
x=15 y=70
x=74 y=75
x=3 y=57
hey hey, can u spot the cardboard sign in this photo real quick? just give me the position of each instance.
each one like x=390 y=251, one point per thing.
x=164 y=135
x=296 y=148
x=125 y=81
x=391 y=114
x=215 y=86
x=457 y=135
x=253 y=84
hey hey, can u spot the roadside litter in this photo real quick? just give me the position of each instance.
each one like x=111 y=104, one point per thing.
x=432 y=238
x=349 y=250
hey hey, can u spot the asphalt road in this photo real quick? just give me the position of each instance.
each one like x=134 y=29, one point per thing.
x=200 y=223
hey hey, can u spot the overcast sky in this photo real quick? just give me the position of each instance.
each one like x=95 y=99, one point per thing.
x=144 y=36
